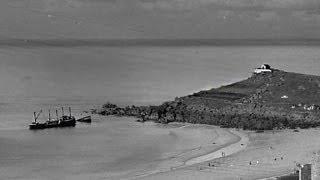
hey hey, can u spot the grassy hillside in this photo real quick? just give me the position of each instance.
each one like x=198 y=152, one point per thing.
x=273 y=100
x=263 y=101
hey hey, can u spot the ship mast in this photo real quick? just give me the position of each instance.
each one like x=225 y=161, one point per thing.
x=57 y=114
x=62 y=111
x=70 y=111
x=49 y=115
x=34 y=116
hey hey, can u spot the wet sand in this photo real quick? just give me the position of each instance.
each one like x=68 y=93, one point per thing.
x=271 y=154
x=199 y=141
x=225 y=151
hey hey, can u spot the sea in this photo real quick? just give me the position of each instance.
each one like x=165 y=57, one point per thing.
x=34 y=78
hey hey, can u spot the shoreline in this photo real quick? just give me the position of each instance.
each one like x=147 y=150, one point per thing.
x=191 y=159
x=267 y=155
x=230 y=147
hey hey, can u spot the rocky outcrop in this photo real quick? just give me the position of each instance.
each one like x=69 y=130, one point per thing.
x=263 y=101
x=273 y=100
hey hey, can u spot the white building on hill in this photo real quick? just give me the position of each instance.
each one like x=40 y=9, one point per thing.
x=264 y=68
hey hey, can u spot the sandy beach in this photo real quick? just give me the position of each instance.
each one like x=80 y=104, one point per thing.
x=268 y=154
x=194 y=143
x=173 y=151
x=225 y=151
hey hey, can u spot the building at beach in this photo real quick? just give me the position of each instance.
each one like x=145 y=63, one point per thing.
x=316 y=167
x=305 y=172
x=263 y=69
x=310 y=171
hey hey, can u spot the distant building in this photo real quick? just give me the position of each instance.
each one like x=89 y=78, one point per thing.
x=264 y=68
x=305 y=172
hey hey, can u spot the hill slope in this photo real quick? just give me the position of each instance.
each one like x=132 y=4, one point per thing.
x=263 y=101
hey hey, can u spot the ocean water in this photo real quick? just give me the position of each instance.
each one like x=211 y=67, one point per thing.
x=137 y=75
x=34 y=78
x=105 y=149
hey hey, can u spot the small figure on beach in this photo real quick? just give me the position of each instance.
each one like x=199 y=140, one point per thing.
x=223 y=154
x=210 y=164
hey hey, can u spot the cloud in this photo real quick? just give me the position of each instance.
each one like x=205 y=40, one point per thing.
x=234 y=5
x=310 y=6
x=171 y=18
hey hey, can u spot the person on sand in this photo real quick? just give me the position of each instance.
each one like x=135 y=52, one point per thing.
x=223 y=154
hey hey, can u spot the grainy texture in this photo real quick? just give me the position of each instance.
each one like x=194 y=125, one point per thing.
x=263 y=101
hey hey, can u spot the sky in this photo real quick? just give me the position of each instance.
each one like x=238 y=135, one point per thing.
x=166 y=19
x=67 y=59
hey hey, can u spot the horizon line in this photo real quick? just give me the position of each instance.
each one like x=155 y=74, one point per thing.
x=104 y=42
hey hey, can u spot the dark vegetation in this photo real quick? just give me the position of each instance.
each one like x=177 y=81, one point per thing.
x=264 y=101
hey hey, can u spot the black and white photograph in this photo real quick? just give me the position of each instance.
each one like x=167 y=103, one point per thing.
x=160 y=90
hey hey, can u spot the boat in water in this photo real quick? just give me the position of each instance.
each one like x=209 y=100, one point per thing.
x=86 y=119
x=35 y=124
x=63 y=121
x=66 y=121
x=52 y=123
